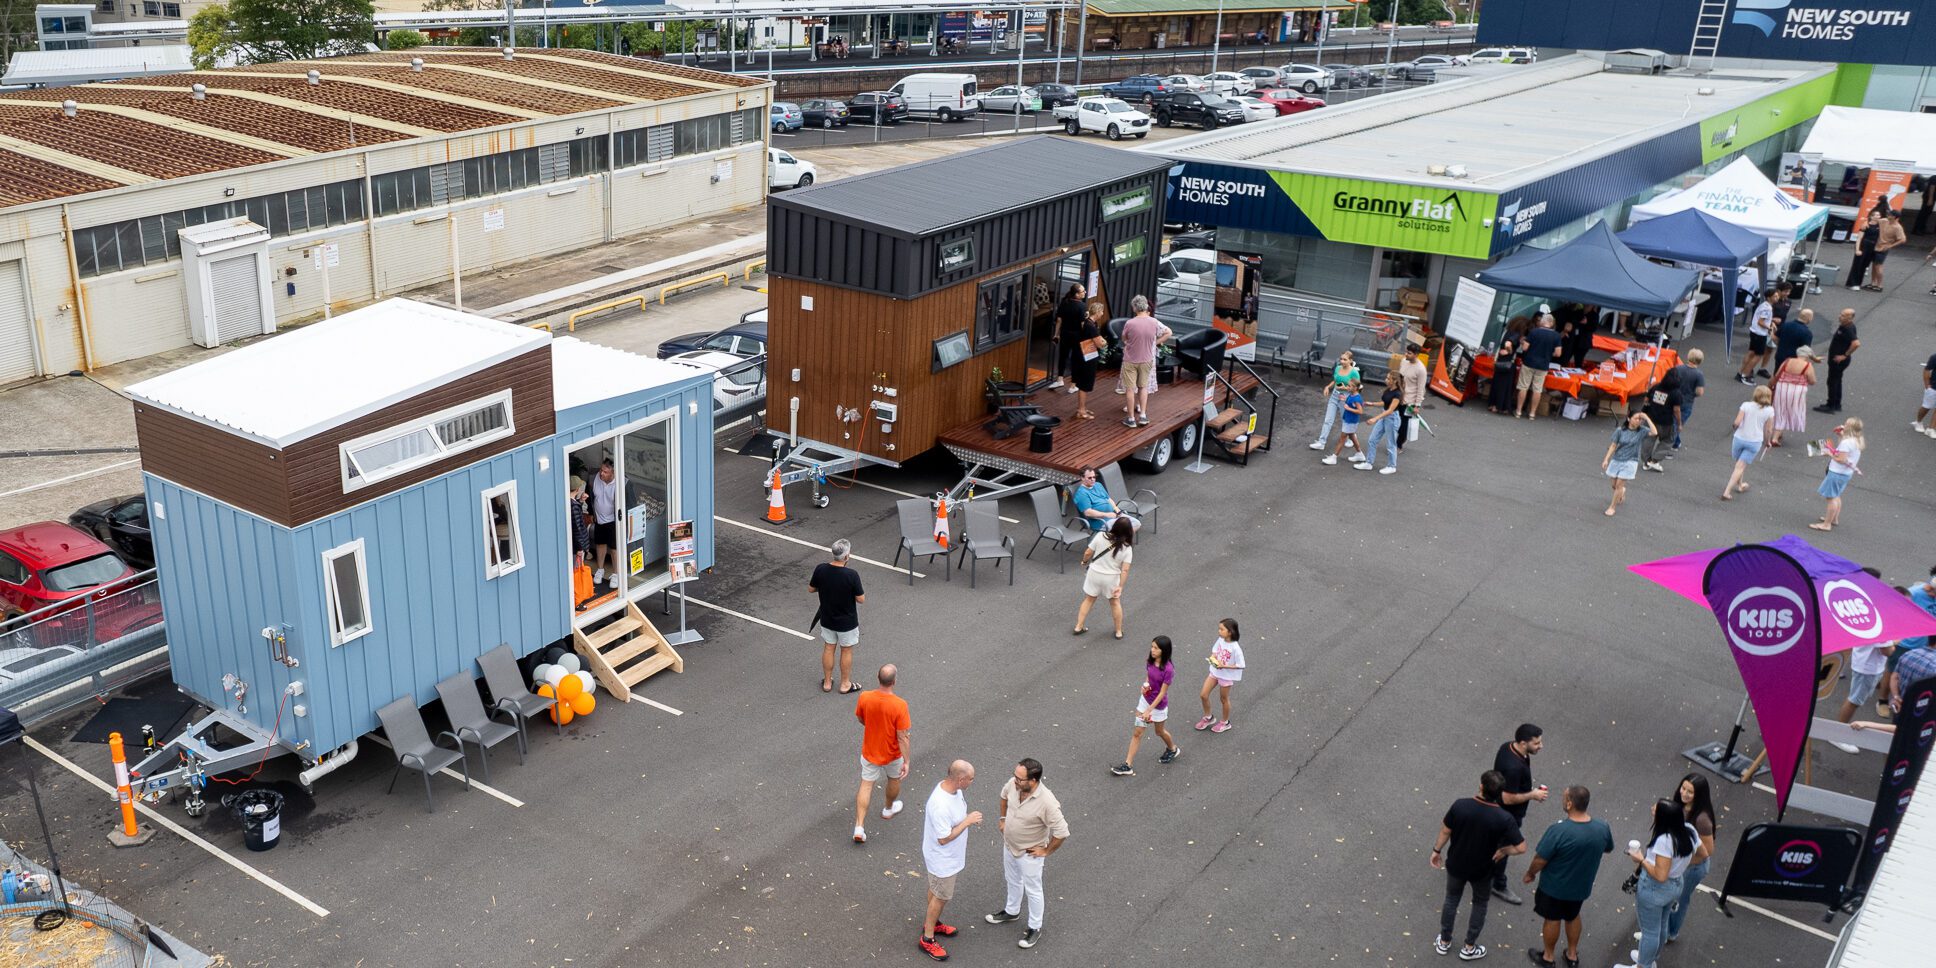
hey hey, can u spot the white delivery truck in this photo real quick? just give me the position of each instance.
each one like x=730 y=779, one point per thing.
x=943 y=97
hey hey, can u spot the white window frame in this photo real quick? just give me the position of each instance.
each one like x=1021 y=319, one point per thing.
x=337 y=635
x=498 y=569
x=439 y=451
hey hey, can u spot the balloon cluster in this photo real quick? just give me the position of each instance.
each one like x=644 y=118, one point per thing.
x=568 y=685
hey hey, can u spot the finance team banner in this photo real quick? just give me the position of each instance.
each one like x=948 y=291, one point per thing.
x=1839 y=31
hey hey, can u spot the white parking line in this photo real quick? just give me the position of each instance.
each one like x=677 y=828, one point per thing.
x=756 y=621
x=659 y=705
x=862 y=483
x=459 y=777
x=788 y=537
x=1791 y=922
x=221 y=855
x=117 y=465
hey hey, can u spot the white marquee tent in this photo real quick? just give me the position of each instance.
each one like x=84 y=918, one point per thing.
x=1741 y=195
x=1860 y=136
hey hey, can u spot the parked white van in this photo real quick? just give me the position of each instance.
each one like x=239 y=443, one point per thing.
x=944 y=97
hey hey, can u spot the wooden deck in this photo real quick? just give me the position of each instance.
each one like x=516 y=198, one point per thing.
x=1087 y=443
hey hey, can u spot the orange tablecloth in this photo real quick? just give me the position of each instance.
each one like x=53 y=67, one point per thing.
x=1617 y=384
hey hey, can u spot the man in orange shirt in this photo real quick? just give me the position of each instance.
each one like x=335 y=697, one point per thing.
x=884 y=749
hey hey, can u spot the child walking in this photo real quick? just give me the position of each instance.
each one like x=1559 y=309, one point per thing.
x=1352 y=407
x=1226 y=670
x=1752 y=426
x=1153 y=707
x=1844 y=452
x=1623 y=455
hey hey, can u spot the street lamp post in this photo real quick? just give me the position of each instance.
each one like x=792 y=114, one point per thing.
x=1216 y=38
x=1082 y=37
x=1324 y=21
x=1391 y=39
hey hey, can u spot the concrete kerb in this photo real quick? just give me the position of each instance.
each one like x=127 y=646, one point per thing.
x=557 y=313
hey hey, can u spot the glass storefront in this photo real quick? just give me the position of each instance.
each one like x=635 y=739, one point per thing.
x=1336 y=269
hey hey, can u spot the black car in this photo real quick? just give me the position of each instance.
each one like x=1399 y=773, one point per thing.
x=121 y=523
x=1194 y=238
x=1055 y=95
x=823 y=113
x=1348 y=75
x=747 y=338
x=1204 y=110
x=878 y=107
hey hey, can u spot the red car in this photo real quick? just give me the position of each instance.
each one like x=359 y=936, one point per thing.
x=50 y=563
x=1287 y=101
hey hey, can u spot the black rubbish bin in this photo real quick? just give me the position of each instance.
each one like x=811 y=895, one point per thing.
x=260 y=814
x=1042 y=432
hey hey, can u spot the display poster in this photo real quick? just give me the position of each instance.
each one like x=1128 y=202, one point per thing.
x=680 y=563
x=1791 y=862
x=1471 y=311
x=636 y=518
x=1798 y=174
x=1886 y=187
x=1908 y=755
x=638 y=561
x=493 y=220
x=1767 y=609
x=326 y=255
x=1451 y=371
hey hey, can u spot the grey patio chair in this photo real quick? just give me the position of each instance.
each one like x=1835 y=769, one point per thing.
x=508 y=693
x=468 y=719
x=983 y=524
x=410 y=740
x=1126 y=502
x=917 y=536
x=1052 y=524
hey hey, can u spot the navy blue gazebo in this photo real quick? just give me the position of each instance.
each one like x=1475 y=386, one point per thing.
x=1691 y=235
x=1595 y=268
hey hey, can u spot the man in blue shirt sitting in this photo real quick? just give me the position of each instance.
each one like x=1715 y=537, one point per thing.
x=1093 y=503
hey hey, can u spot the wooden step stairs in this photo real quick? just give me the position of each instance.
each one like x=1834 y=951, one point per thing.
x=1230 y=426
x=626 y=652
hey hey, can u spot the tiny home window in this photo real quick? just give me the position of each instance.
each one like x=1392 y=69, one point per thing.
x=399 y=450
x=346 y=589
x=950 y=350
x=999 y=315
x=503 y=544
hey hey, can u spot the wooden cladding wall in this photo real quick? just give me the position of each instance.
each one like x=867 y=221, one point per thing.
x=305 y=482
x=851 y=342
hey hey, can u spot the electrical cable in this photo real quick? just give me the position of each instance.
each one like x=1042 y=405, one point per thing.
x=271 y=745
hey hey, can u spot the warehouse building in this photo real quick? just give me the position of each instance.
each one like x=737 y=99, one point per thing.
x=149 y=214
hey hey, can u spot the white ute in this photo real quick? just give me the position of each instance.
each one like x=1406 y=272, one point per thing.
x=1103 y=115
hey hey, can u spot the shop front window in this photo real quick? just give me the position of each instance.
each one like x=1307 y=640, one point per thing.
x=999 y=311
x=1397 y=272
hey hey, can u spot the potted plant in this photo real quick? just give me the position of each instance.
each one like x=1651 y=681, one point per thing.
x=1165 y=364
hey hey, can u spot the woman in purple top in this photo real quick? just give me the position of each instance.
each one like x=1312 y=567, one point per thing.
x=1153 y=707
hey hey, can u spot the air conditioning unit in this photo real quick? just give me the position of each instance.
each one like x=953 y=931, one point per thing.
x=1637 y=60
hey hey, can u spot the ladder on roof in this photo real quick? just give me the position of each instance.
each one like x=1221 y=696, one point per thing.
x=1708 y=22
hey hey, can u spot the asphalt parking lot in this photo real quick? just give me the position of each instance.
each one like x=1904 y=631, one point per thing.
x=1397 y=629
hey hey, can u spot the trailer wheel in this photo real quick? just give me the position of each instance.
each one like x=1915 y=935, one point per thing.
x=1186 y=440
x=1159 y=458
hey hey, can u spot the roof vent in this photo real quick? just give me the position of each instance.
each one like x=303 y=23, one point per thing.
x=315 y=77
x=1435 y=170
x=70 y=109
x=1704 y=91
x=198 y=91
x=1455 y=171
x=510 y=52
x=416 y=64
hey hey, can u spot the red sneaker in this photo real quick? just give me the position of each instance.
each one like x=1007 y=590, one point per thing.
x=934 y=950
x=944 y=930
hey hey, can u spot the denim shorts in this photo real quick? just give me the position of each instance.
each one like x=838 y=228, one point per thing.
x=1862 y=687
x=1834 y=484
x=1746 y=450
x=1623 y=470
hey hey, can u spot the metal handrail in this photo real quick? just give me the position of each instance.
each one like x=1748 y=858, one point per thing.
x=1270 y=423
x=725 y=279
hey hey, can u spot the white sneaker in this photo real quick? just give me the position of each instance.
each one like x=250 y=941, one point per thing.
x=1056 y=383
x=1317 y=444
x=1850 y=748
x=1916 y=425
x=1360 y=466
x=1929 y=431
x=860 y=835
x=598 y=577
x=1329 y=459
x=888 y=812
x=1387 y=470
x=1851 y=289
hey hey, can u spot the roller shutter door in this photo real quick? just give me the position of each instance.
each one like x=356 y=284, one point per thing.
x=238 y=298
x=17 y=359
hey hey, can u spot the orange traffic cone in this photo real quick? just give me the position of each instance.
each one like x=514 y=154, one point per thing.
x=776 y=501
x=941 y=522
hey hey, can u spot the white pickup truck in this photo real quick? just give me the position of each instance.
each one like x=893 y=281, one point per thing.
x=1103 y=115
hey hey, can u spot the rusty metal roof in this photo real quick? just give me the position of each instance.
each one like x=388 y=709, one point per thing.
x=153 y=128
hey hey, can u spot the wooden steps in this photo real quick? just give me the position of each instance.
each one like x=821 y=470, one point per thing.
x=626 y=652
x=1226 y=418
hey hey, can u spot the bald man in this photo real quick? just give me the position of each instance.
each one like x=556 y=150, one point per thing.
x=944 y=848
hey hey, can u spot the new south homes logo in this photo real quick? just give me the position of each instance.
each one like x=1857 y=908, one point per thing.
x=1790 y=22
x=1411 y=213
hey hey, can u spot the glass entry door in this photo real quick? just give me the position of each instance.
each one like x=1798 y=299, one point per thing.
x=648 y=500
x=1049 y=282
x=634 y=563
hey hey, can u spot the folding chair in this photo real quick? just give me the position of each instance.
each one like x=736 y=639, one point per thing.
x=469 y=721
x=409 y=738
x=917 y=536
x=1131 y=504
x=1050 y=523
x=983 y=523
x=508 y=693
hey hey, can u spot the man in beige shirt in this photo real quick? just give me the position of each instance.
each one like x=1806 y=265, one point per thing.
x=1032 y=828
x=1892 y=236
x=1412 y=370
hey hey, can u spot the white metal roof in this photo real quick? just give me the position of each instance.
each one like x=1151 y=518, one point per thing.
x=1508 y=126
x=583 y=373
x=300 y=383
x=55 y=68
x=1897 y=925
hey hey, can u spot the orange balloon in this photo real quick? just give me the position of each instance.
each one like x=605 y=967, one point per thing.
x=584 y=703
x=544 y=689
x=568 y=687
x=561 y=714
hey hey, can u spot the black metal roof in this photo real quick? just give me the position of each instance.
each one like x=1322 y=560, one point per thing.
x=931 y=196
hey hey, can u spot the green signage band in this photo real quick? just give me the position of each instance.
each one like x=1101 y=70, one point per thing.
x=1724 y=134
x=1446 y=221
x=1127 y=203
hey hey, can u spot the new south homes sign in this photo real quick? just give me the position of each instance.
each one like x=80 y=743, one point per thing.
x=1839 y=31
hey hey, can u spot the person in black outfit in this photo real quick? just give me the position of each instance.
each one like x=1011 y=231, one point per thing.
x=1865 y=251
x=1841 y=349
x=1481 y=835
x=1068 y=328
x=1083 y=374
x=838 y=617
x=1503 y=370
x=1580 y=340
x=1929 y=205
x=1514 y=764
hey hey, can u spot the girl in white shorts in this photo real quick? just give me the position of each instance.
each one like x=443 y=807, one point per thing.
x=1226 y=668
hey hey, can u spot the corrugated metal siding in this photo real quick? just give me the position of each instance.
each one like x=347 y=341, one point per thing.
x=648 y=196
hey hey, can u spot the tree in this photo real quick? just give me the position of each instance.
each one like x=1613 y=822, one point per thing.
x=405 y=39
x=261 y=31
x=16 y=27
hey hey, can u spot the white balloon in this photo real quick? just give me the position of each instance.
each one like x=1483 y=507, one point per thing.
x=554 y=675
x=542 y=673
x=570 y=662
x=585 y=679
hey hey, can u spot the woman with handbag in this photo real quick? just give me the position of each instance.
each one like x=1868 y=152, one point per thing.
x=1068 y=334
x=1089 y=347
x=1107 y=562
x=1698 y=805
x=1671 y=848
x=1503 y=370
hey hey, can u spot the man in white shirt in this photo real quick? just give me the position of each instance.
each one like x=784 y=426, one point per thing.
x=1760 y=327
x=1866 y=665
x=944 y=849
x=1412 y=371
x=605 y=523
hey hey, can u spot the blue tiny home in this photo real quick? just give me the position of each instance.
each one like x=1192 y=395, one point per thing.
x=366 y=505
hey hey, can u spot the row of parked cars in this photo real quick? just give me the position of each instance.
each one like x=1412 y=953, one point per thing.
x=57 y=569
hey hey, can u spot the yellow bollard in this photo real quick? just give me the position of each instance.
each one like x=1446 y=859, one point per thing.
x=130 y=833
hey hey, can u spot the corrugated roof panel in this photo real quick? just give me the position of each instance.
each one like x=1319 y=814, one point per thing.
x=242 y=115
x=128 y=144
x=494 y=90
x=1896 y=927
x=32 y=180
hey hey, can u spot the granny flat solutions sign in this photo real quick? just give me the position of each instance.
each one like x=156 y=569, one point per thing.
x=1843 y=31
x=1410 y=217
